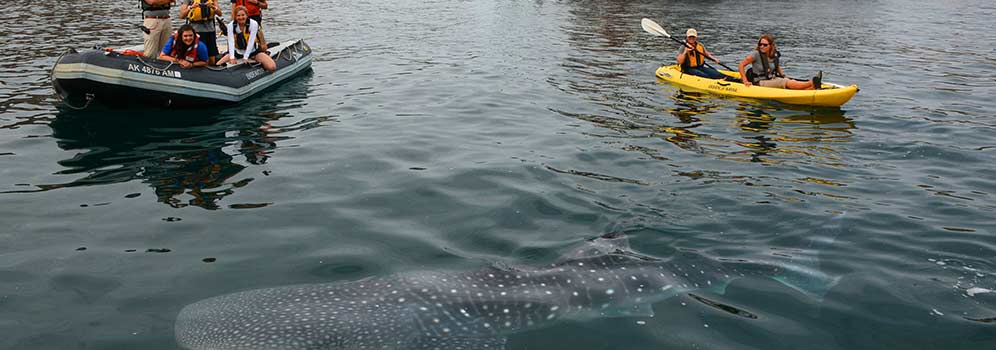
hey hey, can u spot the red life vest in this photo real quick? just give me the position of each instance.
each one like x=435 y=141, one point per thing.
x=191 y=54
x=253 y=9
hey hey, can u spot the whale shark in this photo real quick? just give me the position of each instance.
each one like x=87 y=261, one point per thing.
x=476 y=309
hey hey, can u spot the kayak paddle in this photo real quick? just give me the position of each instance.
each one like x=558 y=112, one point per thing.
x=653 y=28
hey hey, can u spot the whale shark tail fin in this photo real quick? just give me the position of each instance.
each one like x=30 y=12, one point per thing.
x=804 y=272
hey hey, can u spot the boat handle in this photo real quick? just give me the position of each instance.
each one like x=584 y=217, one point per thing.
x=723 y=84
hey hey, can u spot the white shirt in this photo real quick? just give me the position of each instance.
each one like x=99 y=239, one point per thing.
x=250 y=44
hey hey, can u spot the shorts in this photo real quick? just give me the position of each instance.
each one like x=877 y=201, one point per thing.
x=258 y=19
x=776 y=82
x=211 y=40
x=252 y=55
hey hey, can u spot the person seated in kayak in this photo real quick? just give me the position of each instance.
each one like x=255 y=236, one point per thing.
x=247 y=40
x=185 y=49
x=691 y=57
x=765 y=70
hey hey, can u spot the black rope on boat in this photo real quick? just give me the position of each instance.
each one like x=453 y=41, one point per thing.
x=51 y=73
x=89 y=98
x=161 y=70
x=292 y=48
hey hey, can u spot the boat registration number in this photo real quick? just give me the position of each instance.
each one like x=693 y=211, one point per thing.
x=153 y=71
x=254 y=74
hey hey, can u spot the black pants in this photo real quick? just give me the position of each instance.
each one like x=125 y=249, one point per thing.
x=211 y=40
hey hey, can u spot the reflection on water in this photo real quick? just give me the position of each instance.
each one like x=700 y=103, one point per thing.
x=797 y=135
x=188 y=157
x=732 y=130
x=181 y=156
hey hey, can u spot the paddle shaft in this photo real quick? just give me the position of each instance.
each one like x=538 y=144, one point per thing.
x=685 y=43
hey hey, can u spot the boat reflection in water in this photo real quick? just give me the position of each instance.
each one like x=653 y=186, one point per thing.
x=766 y=132
x=189 y=158
x=802 y=133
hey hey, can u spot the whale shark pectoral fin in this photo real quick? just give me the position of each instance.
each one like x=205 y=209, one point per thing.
x=814 y=284
x=469 y=343
x=719 y=287
x=806 y=273
x=635 y=310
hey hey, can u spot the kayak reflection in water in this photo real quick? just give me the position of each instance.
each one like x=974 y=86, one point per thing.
x=767 y=72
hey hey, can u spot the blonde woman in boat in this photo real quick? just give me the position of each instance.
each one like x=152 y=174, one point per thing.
x=245 y=39
x=766 y=71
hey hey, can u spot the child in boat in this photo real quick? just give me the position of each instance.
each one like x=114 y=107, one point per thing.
x=246 y=39
x=185 y=49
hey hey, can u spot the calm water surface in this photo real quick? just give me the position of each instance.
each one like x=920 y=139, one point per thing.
x=447 y=135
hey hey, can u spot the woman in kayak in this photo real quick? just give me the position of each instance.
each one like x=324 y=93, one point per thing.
x=185 y=49
x=691 y=57
x=765 y=70
x=246 y=39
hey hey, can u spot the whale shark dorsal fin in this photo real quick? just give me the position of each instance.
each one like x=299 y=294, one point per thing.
x=444 y=342
x=608 y=243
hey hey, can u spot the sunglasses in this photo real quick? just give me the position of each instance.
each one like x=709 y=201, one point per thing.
x=762 y=44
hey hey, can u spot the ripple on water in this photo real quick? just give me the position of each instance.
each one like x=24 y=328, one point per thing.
x=439 y=135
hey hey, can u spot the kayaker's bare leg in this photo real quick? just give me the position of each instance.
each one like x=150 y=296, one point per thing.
x=799 y=85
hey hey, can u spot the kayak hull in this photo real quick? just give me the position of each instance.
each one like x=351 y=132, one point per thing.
x=831 y=95
x=118 y=80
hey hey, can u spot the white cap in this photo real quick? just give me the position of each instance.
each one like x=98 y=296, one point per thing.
x=691 y=32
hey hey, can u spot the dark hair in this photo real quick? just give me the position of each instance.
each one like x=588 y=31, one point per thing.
x=771 y=43
x=178 y=45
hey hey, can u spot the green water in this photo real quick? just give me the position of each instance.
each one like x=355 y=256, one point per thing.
x=440 y=135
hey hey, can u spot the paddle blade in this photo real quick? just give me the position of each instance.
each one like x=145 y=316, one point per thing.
x=653 y=28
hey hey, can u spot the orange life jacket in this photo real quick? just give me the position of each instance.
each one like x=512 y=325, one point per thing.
x=254 y=9
x=191 y=54
x=694 y=59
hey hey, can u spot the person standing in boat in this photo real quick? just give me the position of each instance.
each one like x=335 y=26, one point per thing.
x=200 y=14
x=185 y=49
x=767 y=72
x=245 y=38
x=254 y=7
x=692 y=55
x=155 y=14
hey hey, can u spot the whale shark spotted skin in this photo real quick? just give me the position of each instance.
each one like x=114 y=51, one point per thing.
x=455 y=310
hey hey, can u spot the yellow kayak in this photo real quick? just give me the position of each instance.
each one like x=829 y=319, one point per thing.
x=831 y=95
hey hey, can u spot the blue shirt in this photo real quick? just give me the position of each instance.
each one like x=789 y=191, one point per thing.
x=202 y=50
